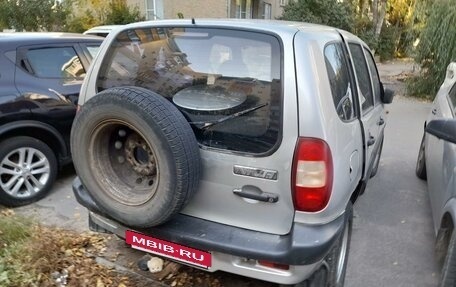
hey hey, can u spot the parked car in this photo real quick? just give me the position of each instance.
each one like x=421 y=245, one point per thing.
x=437 y=163
x=101 y=31
x=231 y=145
x=40 y=79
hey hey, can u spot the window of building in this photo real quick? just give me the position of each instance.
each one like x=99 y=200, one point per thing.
x=244 y=9
x=154 y=9
x=267 y=11
x=283 y=2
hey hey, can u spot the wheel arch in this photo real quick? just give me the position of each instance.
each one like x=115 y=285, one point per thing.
x=444 y=231
x=44 y=132
x=447 y=221
x=448 y=215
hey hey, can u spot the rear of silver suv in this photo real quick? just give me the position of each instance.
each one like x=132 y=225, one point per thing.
x=279 y=130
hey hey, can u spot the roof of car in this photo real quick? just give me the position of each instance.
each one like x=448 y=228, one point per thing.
x=104 y=28
x=36 y=38
x=275 y=26
x=271 y=25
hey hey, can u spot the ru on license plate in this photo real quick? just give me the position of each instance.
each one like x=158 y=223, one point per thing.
x=168 y=249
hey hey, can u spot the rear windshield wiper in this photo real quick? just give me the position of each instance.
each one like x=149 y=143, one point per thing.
x=206 y=125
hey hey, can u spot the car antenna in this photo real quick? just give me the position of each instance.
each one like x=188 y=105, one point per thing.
x=193 y=21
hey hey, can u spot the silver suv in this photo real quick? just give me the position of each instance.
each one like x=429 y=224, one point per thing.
x=231 y=145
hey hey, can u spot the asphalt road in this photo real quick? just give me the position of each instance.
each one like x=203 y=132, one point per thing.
x=393 y=238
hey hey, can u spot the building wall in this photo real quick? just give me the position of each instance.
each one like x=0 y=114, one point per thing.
x=277 y=9
x=196 y=8
x=141 y=4
x=209 y=8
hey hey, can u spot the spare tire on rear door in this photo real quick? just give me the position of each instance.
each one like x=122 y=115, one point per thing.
x=136 y=154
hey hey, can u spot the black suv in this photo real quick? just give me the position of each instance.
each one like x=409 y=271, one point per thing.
x=40 y=78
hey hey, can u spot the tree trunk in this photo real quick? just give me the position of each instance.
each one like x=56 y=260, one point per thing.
x=375 y=11
x=381 y=17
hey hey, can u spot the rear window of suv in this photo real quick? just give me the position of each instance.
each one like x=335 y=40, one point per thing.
x=226 y=83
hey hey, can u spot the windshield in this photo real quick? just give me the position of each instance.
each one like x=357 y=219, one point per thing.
x=223 y=79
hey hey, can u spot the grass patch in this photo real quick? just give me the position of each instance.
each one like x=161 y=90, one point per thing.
x=14 y=231
x=34 y=255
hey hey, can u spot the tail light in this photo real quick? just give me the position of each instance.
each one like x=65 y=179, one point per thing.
x=312 y=174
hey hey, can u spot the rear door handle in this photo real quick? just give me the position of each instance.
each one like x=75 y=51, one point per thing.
x=381 y=121
x=371 y=141
x=255 y=193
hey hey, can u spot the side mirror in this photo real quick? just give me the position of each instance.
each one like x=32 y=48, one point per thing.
x=450 y=76
x=386 y=95
x=444 y=129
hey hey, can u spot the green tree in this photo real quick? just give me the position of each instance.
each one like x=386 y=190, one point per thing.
x=120 y=13
x=397 y=36
x=102 y=13
x=32 y=15
x=326 y=12
x=437 y=47
x=79 y=24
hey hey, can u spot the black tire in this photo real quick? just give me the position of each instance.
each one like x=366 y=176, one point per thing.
x=136 y=154
x=377 y=161
x=332 y=272
x=421 y=161
x=448 y=275
x=337 y=258
x=28 y=168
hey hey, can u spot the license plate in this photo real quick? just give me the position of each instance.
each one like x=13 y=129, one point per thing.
x=168 y=249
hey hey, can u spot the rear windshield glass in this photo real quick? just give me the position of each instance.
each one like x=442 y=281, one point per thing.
x=226 y=83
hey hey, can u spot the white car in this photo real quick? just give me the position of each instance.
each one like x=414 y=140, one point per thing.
x=101 y=31
x=437 y=163
x=231 y=145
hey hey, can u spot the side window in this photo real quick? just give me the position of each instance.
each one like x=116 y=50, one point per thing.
x=452 y=98
x=93 y=50
x=339 y=80
x=362 y=74
x=375 y=76
x=58 y=62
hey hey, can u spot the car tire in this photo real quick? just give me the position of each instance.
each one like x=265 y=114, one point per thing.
x=136 y=154
x=421 y=161
x=448 y=274
x=377 y=161
x=334 y=267
x=337 y=258
x=28 y=169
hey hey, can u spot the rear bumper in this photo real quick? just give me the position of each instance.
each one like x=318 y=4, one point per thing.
x=234 y=249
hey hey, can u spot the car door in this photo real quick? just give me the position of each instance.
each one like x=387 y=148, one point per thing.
x=52 y=72
x=441 y=156
x=341 y=83
x=371 y=112
x=49 y=78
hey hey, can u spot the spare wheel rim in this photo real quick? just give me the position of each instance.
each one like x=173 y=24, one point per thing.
x=126 y=166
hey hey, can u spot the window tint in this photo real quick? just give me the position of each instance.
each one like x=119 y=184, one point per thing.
x=93 y=50
x=452 y=97
x=375 y=77
x=210 y=75
x=362 y=74
x=339 y=80
x=59 y=62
